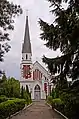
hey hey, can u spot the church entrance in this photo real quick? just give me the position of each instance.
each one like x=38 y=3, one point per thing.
x=37 y=92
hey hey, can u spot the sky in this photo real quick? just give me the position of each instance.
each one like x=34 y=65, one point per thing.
x=36 y=9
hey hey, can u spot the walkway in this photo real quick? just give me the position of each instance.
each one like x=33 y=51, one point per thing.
x=39 y=110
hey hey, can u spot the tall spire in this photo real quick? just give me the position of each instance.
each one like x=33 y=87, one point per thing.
x=26 y=45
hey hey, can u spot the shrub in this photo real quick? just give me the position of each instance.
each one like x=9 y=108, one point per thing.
x=58 y=104
x=3 y=98
x=71 y=105
x=54 y=93
x=57 y=101
x=49 y=100
x=27 y=98
x=26 y=95
x=9 y=107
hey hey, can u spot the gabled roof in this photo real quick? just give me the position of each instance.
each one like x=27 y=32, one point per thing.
x=41 y=67
x=26 y=45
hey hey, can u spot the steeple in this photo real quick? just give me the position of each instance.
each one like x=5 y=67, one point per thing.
x=26 y=45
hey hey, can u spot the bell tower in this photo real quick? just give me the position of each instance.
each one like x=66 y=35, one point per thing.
x=26 y=62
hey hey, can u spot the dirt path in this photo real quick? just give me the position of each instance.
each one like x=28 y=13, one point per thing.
x=39 y=110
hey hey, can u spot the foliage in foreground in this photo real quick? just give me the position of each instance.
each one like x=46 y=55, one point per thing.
x=8 y=11
x=49 y=100
x=11 y=89
x=54 y=102
x=68 y=101
x=63 y=34
x=3 y=99
x=25 y=94
x=9 y=107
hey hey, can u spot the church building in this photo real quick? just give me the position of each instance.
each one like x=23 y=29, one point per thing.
x=35 y=76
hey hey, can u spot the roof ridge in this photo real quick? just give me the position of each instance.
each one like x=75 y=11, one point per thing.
x=41 y=66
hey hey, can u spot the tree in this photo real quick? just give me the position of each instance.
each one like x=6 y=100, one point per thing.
x=7 y=13
x=13 y=87
x=4 y=76
x=2 y=82
x=22 y=92
x=12 y=92
x=63 y=34
x=3 y=79
x=27 y=89
x=10 y=87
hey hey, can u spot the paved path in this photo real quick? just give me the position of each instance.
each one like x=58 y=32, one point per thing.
x=39 y=110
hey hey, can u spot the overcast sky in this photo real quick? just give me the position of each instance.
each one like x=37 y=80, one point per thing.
x=37 y=9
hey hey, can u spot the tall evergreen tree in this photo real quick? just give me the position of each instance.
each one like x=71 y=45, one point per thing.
x=63 y=34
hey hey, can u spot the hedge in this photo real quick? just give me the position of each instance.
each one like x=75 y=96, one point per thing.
x=57 y=101
x=58 y=104
x=9 y=107
x=3 y=99
x=49 y=100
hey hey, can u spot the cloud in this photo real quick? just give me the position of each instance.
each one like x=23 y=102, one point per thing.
x=37 y=9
